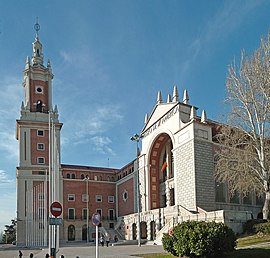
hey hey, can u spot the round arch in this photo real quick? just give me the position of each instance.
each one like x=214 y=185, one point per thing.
x=161 y=168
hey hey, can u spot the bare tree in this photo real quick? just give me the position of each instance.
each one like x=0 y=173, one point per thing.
x=244 y=162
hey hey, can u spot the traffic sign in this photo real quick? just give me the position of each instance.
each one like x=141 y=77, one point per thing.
x=56 y=221
x=96 y=219
x=56 y=209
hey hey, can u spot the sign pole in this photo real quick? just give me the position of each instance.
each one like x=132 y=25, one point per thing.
x=96 y=241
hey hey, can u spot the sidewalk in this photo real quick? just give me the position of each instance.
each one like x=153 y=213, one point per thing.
x=123 y=251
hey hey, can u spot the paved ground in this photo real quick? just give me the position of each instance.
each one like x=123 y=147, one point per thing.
x=121 y=251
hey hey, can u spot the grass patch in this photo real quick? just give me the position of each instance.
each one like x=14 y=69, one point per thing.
x=252 y=240
x=242 y=253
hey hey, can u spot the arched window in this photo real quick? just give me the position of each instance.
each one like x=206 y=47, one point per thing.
x=82 y=176
x=73 y=176
x=71 y=233
x=68 y=175
x=39 y=106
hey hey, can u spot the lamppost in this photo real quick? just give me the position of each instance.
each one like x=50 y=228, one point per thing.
x=86 y=179
x=136 y=138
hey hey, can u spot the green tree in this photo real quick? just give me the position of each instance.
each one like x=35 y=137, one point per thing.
x=10 y=232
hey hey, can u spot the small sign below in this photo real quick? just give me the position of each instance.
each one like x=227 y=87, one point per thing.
x=56 y=221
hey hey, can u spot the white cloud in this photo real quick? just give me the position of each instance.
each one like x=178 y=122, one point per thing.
x=4 y=180
x=102 y=144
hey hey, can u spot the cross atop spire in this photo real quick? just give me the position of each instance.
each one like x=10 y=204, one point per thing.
x=37 y=27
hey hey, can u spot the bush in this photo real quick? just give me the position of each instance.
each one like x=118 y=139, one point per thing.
x=251 y=225
x=193 y=238
x=263 y=228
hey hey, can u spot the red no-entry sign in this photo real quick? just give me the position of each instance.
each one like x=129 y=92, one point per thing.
x=56 y=209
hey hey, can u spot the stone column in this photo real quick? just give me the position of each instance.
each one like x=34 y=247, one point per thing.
x=148 y=230
x=168 y=197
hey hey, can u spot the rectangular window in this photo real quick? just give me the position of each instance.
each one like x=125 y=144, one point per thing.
x=110 y=199
x=85 y=197
x=84 y=213
x=71 y=197
x=99 y=211
x=71 y=213
x=41 y=213
x=40 y=132
x=41 y=146
x=98 y=198
x=41 y=196
x=40 y=160
x=111 y=214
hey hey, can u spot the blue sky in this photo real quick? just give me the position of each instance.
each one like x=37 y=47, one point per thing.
x=109 y=58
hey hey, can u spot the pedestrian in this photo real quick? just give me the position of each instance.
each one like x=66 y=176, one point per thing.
x=31 y=255
x=20 y=254
x=115 y=238
x=47 y=256
x=101 y=240
x=62 y=256
x=107 y=240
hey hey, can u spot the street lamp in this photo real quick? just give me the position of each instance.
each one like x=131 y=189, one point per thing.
x=86 y=179
x=136 y=138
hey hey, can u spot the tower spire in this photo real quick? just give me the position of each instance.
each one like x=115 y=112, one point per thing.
x=37 y=57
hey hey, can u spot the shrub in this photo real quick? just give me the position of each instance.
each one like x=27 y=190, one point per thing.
x=251 y=225
x=193 y=238
x=263 y=228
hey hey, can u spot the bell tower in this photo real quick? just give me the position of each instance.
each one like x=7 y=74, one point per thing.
x=39 y=159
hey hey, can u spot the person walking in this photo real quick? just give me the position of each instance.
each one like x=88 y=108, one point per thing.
x=20 y=254
x=31 y=255
x=101 y=240
x=107 y=240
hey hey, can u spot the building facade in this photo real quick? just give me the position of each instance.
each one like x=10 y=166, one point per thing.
x=171 y=180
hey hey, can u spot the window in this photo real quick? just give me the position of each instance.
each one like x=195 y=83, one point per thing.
x=68 y=175
x=111 y=199
x=99 y=211
x=41 y=213
x=40 y=160
x=82 y=176
x=40 y=146
x=71 y=213
x=98 y=198
x=39 y=106
x=125 y=195
x=40 y=132
x=73 y=176
x=84 y=213
x=85 y=198
x=111 y=214
x=95 y=178
x=71 y=197
x=41 y=196
x=39 y=89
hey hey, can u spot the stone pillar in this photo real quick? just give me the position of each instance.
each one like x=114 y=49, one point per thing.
x=148 y=230
x=167 y=191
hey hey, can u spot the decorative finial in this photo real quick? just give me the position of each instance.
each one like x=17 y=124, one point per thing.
x=37 y=27
x=169 y=98
x=203 y=117
x=146 y=118
x=175 y=94
x=159 y=98
x=186 y=97
x=192 y=113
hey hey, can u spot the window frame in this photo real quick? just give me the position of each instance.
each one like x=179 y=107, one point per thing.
x=97 y=196
x=70 y=197
x=40 y=130
x=38 y=160
x=74 y=216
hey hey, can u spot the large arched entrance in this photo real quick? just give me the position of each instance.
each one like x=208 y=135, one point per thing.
x=134 y=231
x=153 y=230
x=143 y=230
x=161 y=169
